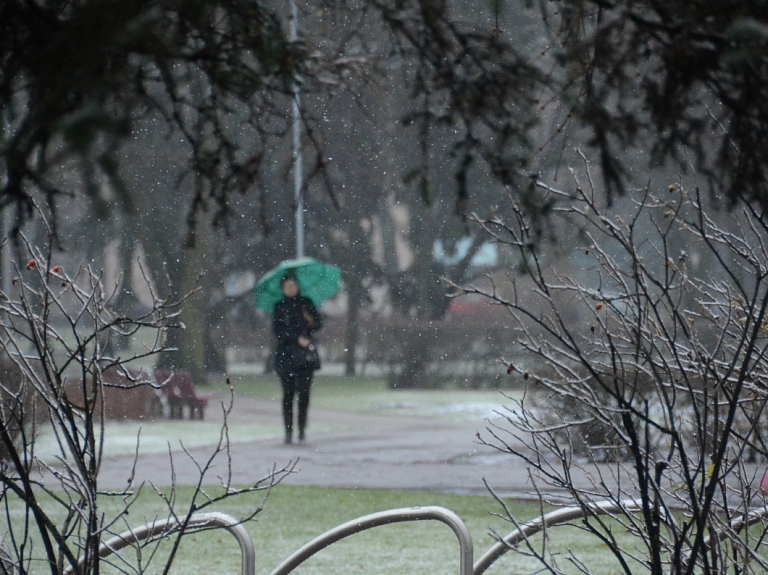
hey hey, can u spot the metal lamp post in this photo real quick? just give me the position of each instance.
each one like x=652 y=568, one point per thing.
x=297 y=160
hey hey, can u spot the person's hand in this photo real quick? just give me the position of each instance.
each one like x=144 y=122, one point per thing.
x=304 y=341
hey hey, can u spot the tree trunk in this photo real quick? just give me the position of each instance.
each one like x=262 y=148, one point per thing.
x=124 y=299
x=354 y=295
x=189 y=341
x=215 y=360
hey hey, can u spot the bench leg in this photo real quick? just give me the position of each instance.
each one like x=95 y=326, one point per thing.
x=196 y=411
x=156 y=408
x=177 y=410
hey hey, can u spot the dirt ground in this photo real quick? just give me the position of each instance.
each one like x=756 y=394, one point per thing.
x=368 y=451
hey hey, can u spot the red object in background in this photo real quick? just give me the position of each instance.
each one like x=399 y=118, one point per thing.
x=764 y=483
x=468 y=307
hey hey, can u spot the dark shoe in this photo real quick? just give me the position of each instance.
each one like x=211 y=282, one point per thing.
x=288 y=440
x=302 y=437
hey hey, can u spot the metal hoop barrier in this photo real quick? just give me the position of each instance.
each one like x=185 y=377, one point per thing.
x=754 y=516
x=736 y=526
x=386 y=518
x=551 y=519
x=567 y=514
x=167 y=527
x=198 y=521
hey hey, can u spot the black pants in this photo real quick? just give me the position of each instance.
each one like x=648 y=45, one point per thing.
x=296 y=384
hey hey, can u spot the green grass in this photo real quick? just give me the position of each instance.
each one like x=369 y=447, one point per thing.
x=293 y=516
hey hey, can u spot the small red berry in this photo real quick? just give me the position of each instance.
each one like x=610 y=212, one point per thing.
x=31 y=264
x=56 y=269
x=599 y=306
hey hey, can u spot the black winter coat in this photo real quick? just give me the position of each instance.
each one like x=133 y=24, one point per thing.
x=288 y=323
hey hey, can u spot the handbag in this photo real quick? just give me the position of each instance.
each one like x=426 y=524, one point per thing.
x=310 y=357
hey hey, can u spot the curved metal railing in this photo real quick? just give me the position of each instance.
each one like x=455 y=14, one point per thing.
x=198 y=521
x=165 y=527
x=386 y=518
x=551 y=519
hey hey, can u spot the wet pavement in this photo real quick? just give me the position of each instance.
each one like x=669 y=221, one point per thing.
x=367 y=451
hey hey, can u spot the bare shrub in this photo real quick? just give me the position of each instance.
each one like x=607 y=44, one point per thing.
x=15 y=404
x=656 y=364
x=53 y=327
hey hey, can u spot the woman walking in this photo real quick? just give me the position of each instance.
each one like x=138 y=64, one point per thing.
x=294 y=320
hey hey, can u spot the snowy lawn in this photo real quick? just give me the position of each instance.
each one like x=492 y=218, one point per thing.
x=364 y=395
x=120 y=438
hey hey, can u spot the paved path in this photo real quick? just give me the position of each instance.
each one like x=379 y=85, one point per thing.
x=371 y=451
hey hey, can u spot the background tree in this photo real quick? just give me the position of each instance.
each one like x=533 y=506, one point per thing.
x=631 y=72
x=379 y=161
x=686 y=81
x=194 y=65
x=218 y=79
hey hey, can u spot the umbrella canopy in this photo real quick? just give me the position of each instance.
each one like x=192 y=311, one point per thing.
x=317 y=281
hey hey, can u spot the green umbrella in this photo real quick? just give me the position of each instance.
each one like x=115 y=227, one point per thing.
x=317 y=281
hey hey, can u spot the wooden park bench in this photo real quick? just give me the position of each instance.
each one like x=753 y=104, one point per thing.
x=179 y=394
x=128 y=394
